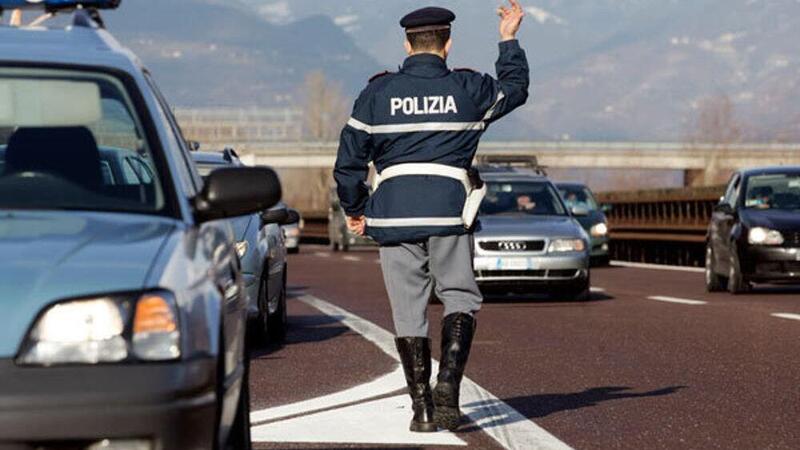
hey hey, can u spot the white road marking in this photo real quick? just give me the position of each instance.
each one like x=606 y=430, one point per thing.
x=380 y=386
x=597 y=290
x=351 y=258
x=682 y=301
x=501 y=422
x=633 y=265
x=786 y=316
x=322 y=254
x=378 y=422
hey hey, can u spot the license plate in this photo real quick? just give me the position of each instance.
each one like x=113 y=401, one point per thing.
x=515 y=264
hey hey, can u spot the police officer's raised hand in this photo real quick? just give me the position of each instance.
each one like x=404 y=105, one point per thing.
x=357 y=225
x=510 y=20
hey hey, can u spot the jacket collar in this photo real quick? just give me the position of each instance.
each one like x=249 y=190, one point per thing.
x=425 y=65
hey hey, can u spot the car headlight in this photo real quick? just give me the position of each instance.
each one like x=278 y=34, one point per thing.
x=291 y=232
x=105 y=330
x=764 y=236
x=567 y=245
x=599 y=230
x=241 y=248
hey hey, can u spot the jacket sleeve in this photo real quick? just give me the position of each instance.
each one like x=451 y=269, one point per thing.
x=352 y=163
x=498 y=97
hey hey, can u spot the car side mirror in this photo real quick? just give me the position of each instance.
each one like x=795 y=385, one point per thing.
x=293 y=218
x=607 y=208
x=237 y=191
x=724 y=208
x=278 y=216
x=580 y=211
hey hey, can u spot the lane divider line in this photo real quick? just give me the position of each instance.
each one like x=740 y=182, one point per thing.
x=633 y=265
x=351 y=258
x=322 y=254
x=682 y=301
x=786 y=316
x=508 y=427
x=597 y=290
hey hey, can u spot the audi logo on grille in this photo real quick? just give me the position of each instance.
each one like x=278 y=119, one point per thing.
x=515 y=246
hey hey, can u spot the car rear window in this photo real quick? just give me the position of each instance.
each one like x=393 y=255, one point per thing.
x=73 y=140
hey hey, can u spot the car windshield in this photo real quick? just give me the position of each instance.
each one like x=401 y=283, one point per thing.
x=522 y=198
x=778 y=191
x=578 y=197
x=73 y=141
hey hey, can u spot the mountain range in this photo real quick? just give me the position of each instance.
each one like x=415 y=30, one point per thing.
x=603 y=69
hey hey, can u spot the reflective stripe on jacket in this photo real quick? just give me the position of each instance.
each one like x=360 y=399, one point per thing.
x=425 y=113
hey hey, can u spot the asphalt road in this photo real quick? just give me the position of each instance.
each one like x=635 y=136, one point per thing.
x=651 y=362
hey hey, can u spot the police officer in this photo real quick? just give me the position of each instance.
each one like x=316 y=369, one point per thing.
x=420 y=128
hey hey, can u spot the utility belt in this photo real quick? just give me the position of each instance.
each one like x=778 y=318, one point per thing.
x=470 y=179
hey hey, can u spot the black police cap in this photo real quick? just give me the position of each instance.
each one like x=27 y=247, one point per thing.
x=428 y=18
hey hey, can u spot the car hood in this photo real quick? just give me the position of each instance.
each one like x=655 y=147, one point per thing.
x=525 y=225
x=773 y=219
x=51 y=256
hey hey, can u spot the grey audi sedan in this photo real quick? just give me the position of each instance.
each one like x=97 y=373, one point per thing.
x=527 y=240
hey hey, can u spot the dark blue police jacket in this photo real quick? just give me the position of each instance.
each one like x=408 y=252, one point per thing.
x=425 y=113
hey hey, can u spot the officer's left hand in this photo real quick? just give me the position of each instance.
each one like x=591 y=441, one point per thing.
x=357 y=225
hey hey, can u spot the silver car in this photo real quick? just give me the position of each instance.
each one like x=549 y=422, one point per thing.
x=262 y=250
x=527 y=240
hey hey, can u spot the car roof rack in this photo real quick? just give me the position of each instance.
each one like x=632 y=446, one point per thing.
x=513 y=161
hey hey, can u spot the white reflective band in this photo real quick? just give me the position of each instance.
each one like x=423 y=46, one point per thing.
x=416 y=127
x=416 y=222
x=358 y=125
x=490 y=113
x=409 y=169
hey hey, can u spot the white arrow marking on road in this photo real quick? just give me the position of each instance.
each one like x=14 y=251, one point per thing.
x=787 y=316
x=682 y=301
x=498 y=420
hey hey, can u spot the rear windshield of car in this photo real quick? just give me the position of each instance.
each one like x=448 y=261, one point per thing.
x=73 y=140
x=522 y=198
x=778 y=192
x=578 y=196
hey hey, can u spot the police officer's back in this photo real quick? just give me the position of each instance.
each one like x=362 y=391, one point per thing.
x=420 y=127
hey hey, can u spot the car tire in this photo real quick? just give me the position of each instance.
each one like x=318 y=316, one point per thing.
x=333 y=246
x=736 y=282
x=239 y=436
x=278 y=322
x=580 y=292
x=714 y=282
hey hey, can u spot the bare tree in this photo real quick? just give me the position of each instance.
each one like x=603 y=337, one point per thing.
x=716 y=124
x=325 y=108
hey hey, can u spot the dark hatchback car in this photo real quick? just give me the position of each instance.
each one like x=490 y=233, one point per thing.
x=592 y=217
x=754 y=236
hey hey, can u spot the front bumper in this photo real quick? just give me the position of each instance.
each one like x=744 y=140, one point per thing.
x=599 y=246
x=771 y=264
x=547 y=270
x=172 y=406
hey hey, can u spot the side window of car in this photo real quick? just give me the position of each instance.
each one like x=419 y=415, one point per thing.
x=188 y=174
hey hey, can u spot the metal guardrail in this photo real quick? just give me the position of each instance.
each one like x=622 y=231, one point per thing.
x=661 y=226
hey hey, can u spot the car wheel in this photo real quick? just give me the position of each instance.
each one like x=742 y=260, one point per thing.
x=714 y=282
x=333 y=246
x=278 y=320
x=736 y=282
x=581 y=291
x=239 y=436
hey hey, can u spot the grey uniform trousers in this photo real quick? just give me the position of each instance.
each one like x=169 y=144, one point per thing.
x=412 y=272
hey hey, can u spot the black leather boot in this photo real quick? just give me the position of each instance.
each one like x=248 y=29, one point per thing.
x=457 y=332
x=415 y=354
